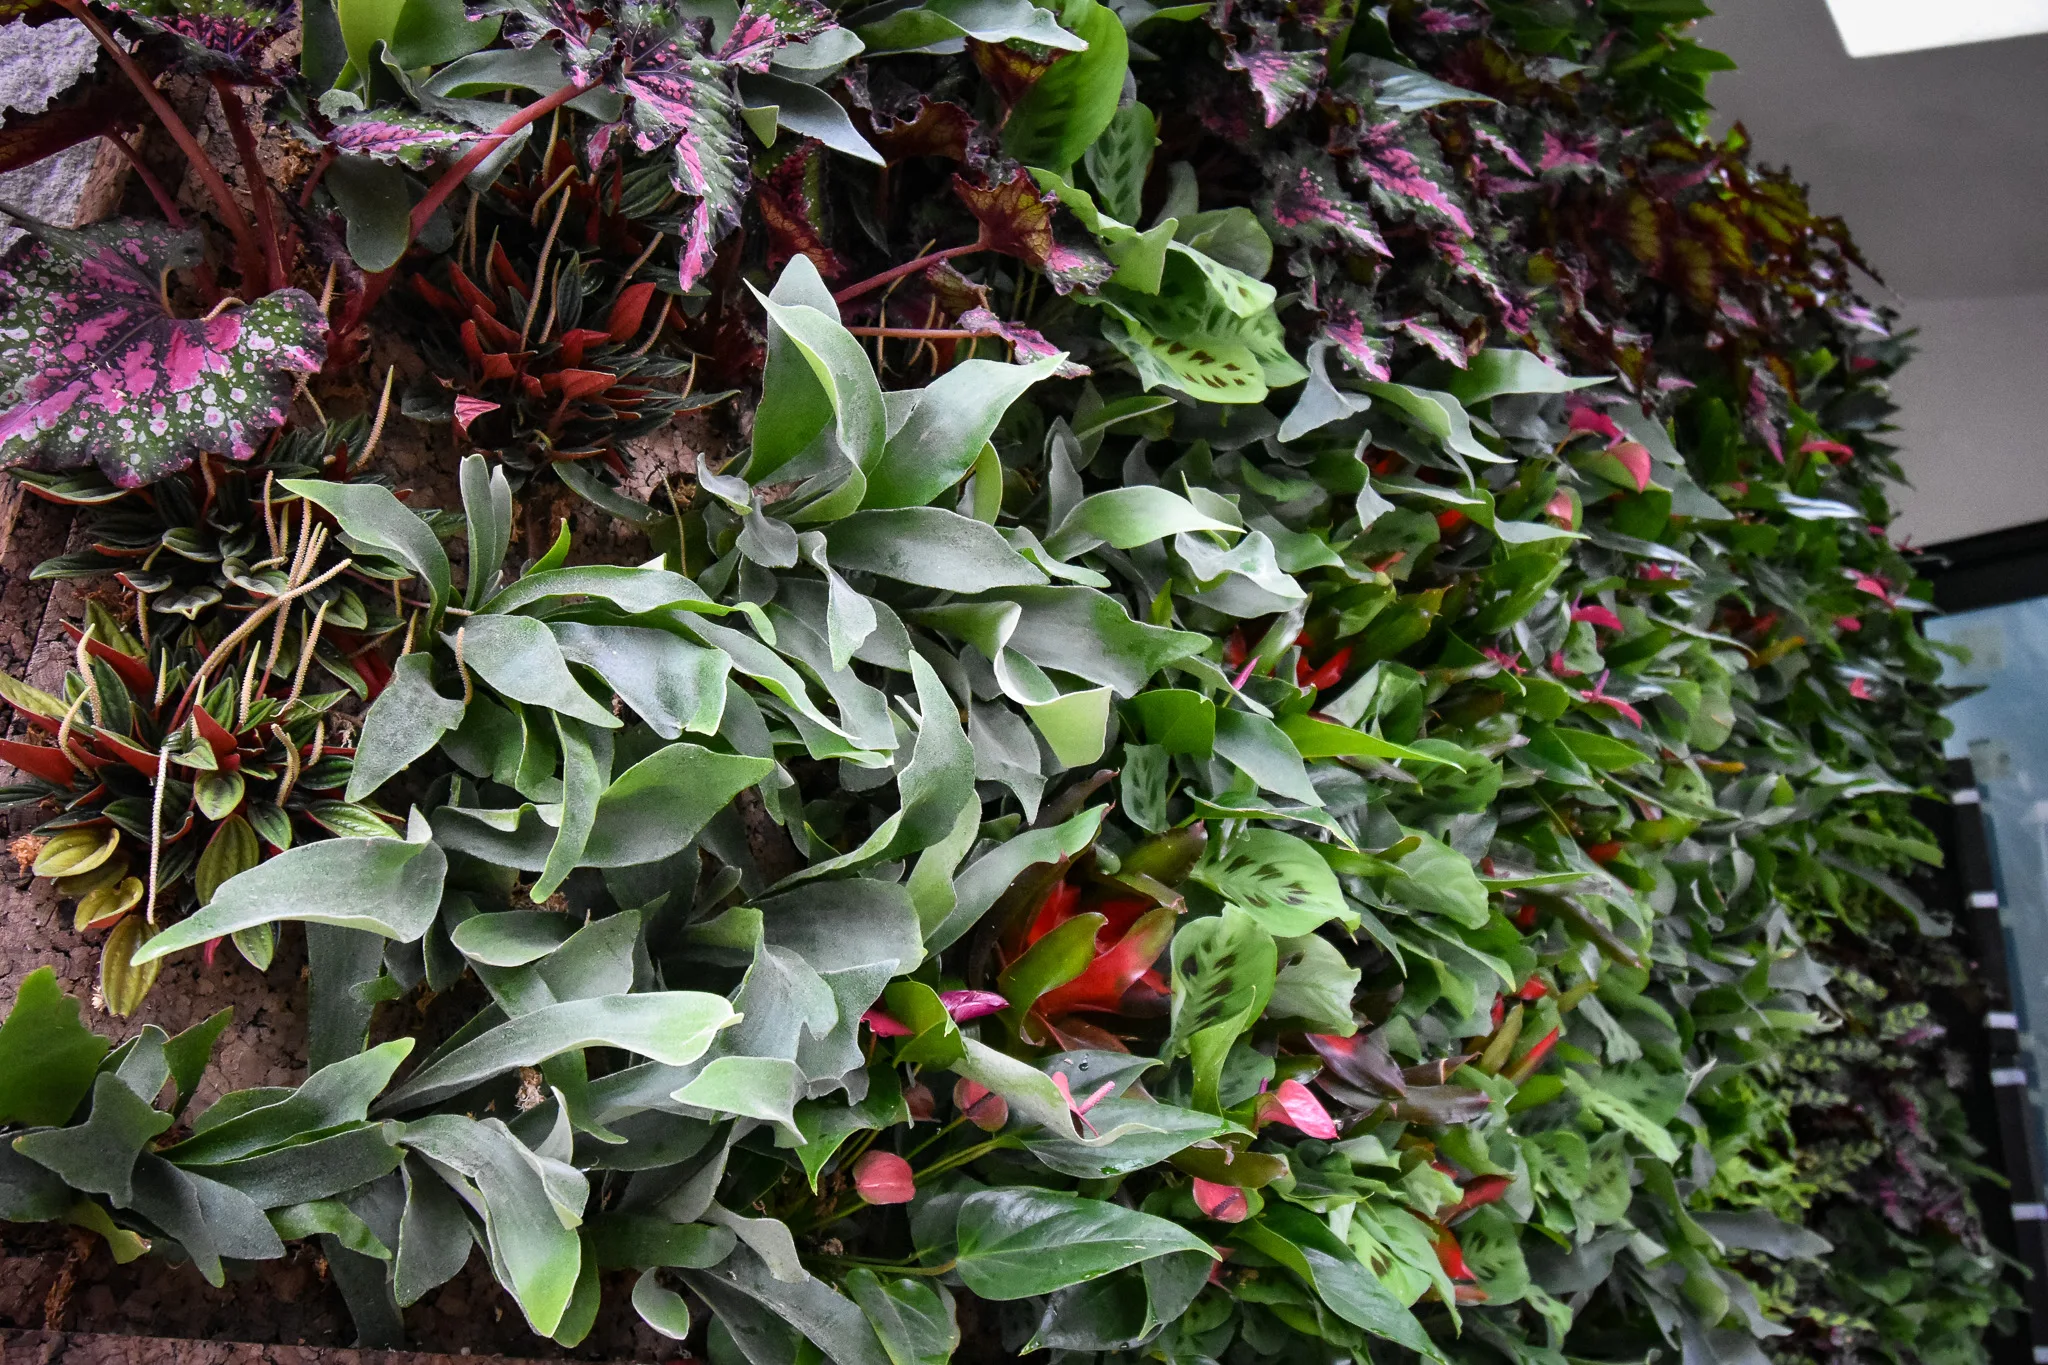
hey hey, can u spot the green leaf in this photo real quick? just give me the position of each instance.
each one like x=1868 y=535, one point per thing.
x=371 y=514
x=937 y=22
x=1076 y=727
x=1178 y=720
x=656 y=807
x=519 y=658
x=1622 y=1114
x=953 y=419
x=1438 y=414
x=1118 y=162
x=1068 y=107
x=1125 y=518
x=512 y=938
x=671 y=1027
x=1281 y=881
x=47 y=1055
x=187 y=1053
x=229 y=853
x=1494 y=372
x=660 y=1307
x=1324 y=739
x=405 y=722
x=1092 y=636
x=487 y=514
x=1015 y=1243
x=930 y=547
x=1223 y=974
x=913 y=1316
x=246 y=1122
x=98 y=1156
x=764 y=1088
x=635 y=591
x=840 y=365
x=387 y=886
x=987 y=877
x=1264 y=753
x=1304 y=1244
x=1438 y=880
x=1053 y=961
x=332 y=1218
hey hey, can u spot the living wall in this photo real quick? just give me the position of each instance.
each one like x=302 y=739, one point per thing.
x=1253 y=702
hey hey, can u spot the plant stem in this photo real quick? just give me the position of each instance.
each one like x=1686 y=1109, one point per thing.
x=916 y=333
x=962 y=1157
x=854 y=291
x=148 y=177
x=893 y=1267
x=230 y=212
x=457 y=173
x=252 y=167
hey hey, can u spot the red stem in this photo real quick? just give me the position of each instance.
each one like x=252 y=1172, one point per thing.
x=457 y=173
x=156 y=188
x=917 y=333
x=854 y=291
x=259 y=184
x=230 y=211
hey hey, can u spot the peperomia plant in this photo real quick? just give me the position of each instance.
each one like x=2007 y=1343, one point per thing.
x=1259 y=739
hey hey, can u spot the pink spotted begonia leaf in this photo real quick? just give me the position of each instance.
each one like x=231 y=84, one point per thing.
x=95 y=370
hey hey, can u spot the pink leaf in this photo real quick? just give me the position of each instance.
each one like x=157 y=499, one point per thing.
x=467 y=410
x=1876 y=587
x=966 y=1005
x=1859 y=688
x=884 y=1026
x=1224 y=1203
x=1562 y=509
x=1292 y=1104
x=884 y=1178
x=1848 y=623
x=1595 y=421
x=1597 y=615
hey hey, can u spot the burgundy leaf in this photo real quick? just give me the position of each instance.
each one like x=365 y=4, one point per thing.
x=938 y=128
x=791 y=202
x=1017 y=220
x=1563 y=151
x=1009 y=71
x=98 y=371
x=28 y=138
x=467 y=410
x=980 y=1106
x=1361 y=1060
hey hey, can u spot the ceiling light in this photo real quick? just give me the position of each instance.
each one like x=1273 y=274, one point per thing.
x=1874 y=28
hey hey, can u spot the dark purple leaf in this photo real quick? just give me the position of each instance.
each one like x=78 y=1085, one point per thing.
x=1307 y=205
x=1285 y=81
x=1028 y=344
x=231 y=37
x=1360 y=1063
x=1400 y=161
x=96 y=370
x=1017 y=220
x=397 y=135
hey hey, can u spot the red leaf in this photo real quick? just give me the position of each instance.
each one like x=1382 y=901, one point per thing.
x=1482 y=1190
x=1596 y=421
x=468 y=409
x=1017 y=220
x=141 y=760
x=1597 y=615
x=1112 y=973
x=1024 y=342
x=214 y=733
x=1451 y=1257
x=27 y=140
x=938 y=128
x=133 y=671
x=576 y=341
x=1010 y=71
x=628 y=311
x=575 y=384
x=38 y=760
x=1224 y=1203
x=884 y=1178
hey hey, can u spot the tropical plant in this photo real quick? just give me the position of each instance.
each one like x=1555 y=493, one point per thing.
x=1315 y=814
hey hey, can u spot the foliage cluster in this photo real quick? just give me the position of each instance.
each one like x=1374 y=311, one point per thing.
x=1283 y=736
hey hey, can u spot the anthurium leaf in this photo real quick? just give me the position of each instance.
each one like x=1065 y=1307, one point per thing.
x=371 y=514
x=520 y=1196
x=1126 y=518
x=387 y=886
x=1018 y=1242
x=98 y=1155
x=519 y=658
x=1158 y=1132
x=1281 y=881
x=406 y=721
x=672 y=1027
x=47 y=1055
x=1304 y=1244
x=938 y=445
x=98 y=371
x=1068 y=107
x=930 y=547
x=913 y=1316
x=829 y=1320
